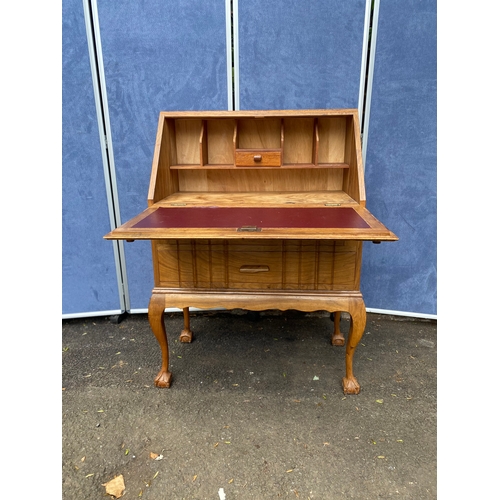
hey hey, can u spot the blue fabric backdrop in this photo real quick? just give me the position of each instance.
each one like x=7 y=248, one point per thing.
x=300 y=55
x=89 y=281
x=401 y=160
x=158 y=56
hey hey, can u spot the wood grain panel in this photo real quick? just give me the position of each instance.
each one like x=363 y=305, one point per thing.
x=220 y=142
x=331 y=139
x=298 y=140
x=261 y=133
x=193 y=180
x=187 y=134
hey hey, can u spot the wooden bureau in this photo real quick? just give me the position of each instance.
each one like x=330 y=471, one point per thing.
x=257 y=210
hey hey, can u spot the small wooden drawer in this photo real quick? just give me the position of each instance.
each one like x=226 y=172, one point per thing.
x=258 y=158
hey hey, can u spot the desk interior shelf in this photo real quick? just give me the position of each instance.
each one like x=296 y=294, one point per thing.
x=263 y=142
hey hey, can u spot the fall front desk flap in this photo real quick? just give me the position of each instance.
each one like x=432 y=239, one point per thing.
x=160 y=222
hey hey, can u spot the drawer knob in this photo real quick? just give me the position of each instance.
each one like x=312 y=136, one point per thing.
x=257 y=158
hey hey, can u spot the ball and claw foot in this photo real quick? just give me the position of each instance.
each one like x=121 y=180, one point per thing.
x=350 y=385
x=186 y=336
x=163 y=379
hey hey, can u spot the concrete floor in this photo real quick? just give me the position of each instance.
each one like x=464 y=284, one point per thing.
x=255 y=411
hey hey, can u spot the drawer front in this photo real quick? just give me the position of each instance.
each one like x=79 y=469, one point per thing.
x=258 y=158
x=265 y=265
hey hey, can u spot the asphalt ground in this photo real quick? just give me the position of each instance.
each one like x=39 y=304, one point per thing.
x=255 y=411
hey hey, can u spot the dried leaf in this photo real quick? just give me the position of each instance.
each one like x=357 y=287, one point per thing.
x=230 y=481
x=379 y=401
x=194 y=477
x=115 y=487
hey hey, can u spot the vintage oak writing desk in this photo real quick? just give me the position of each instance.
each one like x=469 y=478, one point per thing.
x=257 y=210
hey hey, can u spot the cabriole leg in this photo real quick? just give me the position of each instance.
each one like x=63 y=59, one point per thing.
x=156 y=312
x=186 y=334
x=356 y=330
x=337 y=337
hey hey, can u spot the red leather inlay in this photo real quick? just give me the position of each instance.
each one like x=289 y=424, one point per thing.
x=229 y=217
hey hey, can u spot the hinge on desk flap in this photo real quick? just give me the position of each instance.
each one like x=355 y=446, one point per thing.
x=332 y=204
x=249 y=229
x=178 y=204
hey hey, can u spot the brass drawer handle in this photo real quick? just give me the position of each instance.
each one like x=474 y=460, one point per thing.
x=257 y=158
x=254 y=269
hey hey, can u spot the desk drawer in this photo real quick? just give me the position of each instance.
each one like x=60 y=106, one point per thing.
x=252 y=264
x=257 y=158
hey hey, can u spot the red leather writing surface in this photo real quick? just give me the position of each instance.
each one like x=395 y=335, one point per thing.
x=228 y=217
